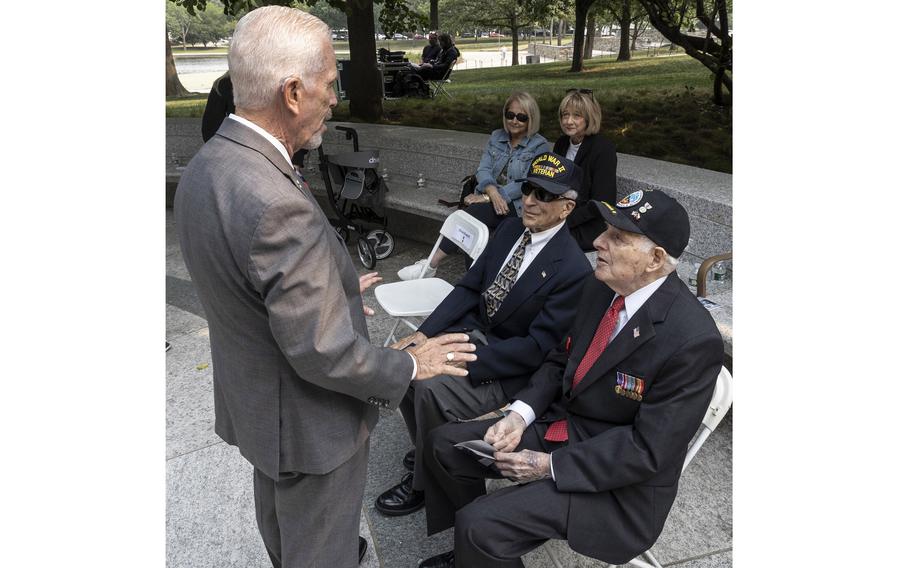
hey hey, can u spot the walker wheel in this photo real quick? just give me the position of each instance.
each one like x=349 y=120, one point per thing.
x=366 y=253
x=383 y=243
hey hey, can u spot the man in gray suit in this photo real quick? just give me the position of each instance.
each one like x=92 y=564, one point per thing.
x=297 y=383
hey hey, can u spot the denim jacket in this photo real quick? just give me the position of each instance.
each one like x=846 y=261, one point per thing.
x=498 y=154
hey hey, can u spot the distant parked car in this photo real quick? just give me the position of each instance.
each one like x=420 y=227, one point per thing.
x=419 y=36
x=398 y=36
x=496 y=34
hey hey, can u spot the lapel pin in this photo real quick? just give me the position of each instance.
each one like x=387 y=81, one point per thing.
x=635 y=332
x=543 y=274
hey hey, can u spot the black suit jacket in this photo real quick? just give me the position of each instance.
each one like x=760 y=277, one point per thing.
x=533 y=318
x=597 y=158
x=623 y=459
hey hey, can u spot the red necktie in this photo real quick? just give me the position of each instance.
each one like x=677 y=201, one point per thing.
x=557 y=432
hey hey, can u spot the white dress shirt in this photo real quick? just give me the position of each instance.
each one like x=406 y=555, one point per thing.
x=633 y=303
x=265 y=134
x=284 y=152
x=532 y=249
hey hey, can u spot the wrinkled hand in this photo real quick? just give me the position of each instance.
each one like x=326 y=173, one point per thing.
x=417 y=338
x=432 y=360
x=472 y=198
x=505 y=434
x=524 y=466
x=366 y=281
x=500 y=205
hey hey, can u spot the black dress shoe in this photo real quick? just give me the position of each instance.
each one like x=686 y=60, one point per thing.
x=362 y=551
x=444 y=560
x=408 y=461
x=401 y=499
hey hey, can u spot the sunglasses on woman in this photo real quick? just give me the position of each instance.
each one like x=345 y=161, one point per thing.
x=582 y=91
x=522 y=117
x=540 y=194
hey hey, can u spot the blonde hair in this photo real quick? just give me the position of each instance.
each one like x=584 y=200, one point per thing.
x=585 y=105
x=271 y=44
x=528 y=105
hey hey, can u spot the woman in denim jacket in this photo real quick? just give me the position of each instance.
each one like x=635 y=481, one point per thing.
x=506 y=158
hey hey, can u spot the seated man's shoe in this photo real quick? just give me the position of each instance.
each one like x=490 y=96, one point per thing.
x=362 y=549
x=412 y=272
x=408 y=461
x=401 y=499
x=444 y=560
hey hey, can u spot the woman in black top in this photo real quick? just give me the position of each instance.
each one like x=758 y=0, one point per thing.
x=579 y=118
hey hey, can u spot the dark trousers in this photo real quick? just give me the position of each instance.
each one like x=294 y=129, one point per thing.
x=495 y=530
x=485 y=213
x=431 y=403
x=312 y=520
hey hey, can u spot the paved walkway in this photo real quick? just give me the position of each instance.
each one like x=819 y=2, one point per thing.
x=210 y=515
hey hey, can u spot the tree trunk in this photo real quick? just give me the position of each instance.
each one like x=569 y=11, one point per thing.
x=581 y=16
x=625 y=21
x=513 y=25
x=434 y=15
x=365 y=80
x=172 y=85
x=562 y=30
x=589 y=38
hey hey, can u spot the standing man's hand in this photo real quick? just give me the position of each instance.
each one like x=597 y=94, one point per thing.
x=435 y=356
x=366 y=281
x=505 y=435
x=524 y=466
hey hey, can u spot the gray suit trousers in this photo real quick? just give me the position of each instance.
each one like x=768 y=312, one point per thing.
x=319 y=515
x=433 y=402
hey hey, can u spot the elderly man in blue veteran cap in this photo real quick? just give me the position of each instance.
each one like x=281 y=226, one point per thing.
x=598 y=436
x=517 y=302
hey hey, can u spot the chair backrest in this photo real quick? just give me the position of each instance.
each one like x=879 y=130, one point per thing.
x=717 y=409
x=467 y=232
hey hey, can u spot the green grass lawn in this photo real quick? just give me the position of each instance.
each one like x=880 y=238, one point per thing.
x=655 y=107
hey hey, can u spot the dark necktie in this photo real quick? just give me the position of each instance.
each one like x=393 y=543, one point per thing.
x=499 y=289
x=557 y=432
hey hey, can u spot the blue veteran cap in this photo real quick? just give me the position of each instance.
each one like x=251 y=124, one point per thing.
x=554 y=173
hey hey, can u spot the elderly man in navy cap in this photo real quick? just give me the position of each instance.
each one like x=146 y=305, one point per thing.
x=516 y=302
x=598 y=436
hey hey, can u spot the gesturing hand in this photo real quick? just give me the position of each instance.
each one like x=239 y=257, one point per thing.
x=505 y=434
x=366 y=281
x=524 y=466
x=435 y=356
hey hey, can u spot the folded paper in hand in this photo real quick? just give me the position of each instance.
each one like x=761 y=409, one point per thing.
x=481 y=450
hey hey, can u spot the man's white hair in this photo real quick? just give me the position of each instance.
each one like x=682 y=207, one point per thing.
x=271 y=44
x=646 y=245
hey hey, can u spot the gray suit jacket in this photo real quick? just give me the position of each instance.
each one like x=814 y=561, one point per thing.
x=297 y=382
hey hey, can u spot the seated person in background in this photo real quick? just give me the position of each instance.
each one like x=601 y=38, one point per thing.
x=521 y=296
x=506 y=159
x=432 y=50
x=605 y=423
x=219 y=104
x=579 y=118
x=436 y=68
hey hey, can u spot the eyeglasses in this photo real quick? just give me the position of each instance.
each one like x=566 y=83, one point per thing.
x=540 y=194
x=522 y=117
x=582 y=91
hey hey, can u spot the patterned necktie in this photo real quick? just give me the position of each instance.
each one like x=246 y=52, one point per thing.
x=499 y=289
x=558 y=432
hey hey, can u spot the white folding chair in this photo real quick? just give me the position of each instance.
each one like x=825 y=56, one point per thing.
x=418 y=298
x=717 y=409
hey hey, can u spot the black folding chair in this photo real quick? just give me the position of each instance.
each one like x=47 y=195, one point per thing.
x=439 y=85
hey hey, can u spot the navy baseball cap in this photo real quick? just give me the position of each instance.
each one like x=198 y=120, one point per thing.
x=554 y=173
x=651 y=213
